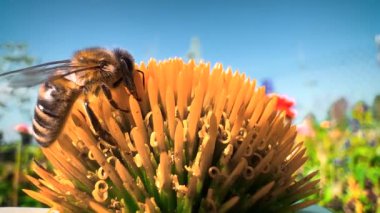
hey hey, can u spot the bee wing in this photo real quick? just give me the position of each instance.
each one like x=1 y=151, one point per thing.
x=34 y=75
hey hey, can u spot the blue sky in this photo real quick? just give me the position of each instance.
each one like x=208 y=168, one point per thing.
x=244 y=34
x=314 y=51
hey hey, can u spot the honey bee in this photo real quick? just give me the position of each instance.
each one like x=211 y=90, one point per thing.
x=89 y=70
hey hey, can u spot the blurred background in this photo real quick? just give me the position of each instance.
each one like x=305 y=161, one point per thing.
x=322 y=57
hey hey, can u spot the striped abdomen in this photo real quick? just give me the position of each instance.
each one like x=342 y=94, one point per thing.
x=52 y=108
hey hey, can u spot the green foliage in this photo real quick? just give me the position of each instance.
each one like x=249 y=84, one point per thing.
x=15 y=54
x=348 y=159
x=8 y=162
x=15 y=156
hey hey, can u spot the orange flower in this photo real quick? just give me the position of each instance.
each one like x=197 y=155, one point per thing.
x=197 y=140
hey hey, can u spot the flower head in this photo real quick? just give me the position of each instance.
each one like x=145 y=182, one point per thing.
x=197 y=141
x=269 y=85
x=25 y=133
x=286 y=104
x=23 y=129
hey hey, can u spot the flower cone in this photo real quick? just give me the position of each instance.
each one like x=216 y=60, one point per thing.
x=199 y=140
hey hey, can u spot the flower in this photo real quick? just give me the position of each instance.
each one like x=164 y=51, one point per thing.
x=306 y=128
x=25 y=133
x=23 y=128
x=269 y=86
x=325 y=124
x=196 y=141
x=286 y=104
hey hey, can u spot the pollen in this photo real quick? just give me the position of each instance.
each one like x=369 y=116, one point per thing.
x=200 y=139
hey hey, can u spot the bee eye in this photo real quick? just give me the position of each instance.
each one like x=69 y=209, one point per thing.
x=103 y=64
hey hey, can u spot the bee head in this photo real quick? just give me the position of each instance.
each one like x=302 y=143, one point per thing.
x=92 y=57
x=126 y=62
x=125 y=57
x=102 y=66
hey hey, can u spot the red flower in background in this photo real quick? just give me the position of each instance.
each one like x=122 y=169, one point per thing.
x=286 y=104
x=25 y=133
x=23 y=129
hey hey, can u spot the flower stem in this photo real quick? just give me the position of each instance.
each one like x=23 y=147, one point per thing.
x=16 y=177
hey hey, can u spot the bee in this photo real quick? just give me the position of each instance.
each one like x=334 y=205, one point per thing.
x=89 y=70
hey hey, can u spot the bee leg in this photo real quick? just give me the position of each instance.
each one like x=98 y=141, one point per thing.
x=108 y=95
x=102 y=133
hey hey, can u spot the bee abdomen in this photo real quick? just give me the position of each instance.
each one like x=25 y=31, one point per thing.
x=53 y=105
